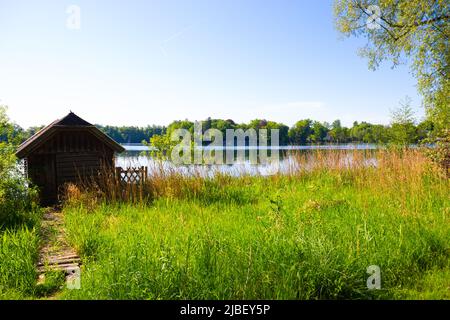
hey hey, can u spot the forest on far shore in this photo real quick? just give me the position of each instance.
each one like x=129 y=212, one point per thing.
x=403 y=129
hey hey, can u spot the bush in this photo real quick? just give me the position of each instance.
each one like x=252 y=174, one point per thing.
x=18 y=203
x=16 y=199
x=441 y=151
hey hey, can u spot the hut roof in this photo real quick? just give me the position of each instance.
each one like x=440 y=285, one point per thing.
x=70 y=121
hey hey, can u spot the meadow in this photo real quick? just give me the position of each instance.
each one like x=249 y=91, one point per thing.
x=306 y=234
x=309 y=234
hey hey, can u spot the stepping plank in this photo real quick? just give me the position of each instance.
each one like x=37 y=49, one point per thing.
x=58 y=267
x=59 y=261
x=53 y=260
x=61 y=256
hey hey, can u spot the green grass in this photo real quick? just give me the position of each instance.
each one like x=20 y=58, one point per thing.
x=305 y=236
x=18 y=254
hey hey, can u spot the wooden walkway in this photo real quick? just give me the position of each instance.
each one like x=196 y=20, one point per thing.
x=55 y=253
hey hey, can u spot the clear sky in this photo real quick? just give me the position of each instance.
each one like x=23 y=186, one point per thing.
x=151 y=62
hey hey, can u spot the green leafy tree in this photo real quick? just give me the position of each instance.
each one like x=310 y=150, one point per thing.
x=403 y=130
x=160 y=146
x=6 y=147
x=15 y=198
x=418 y=30
x=258 y=124
x=379 y=134
x=300 y=132
x=424 y=130
x=283 y=132
x=223 y=125
x=181 y=124
x=440 y=153
x=319 y=132
x=338 y=133
x=362 y=132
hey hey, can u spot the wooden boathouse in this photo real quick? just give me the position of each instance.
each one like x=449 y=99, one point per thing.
x=67 y=150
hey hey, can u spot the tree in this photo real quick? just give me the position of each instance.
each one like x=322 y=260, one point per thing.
x=379 y=134
x=415 y=29
x=6 y=128
x=367 y=132
x=424 y=130
x=403 y=114
x=181 y=124
x=319 y=132
x=337 y=132
x=283 y=132
x=403 y=130
x=15 y=198
x=300 y=132
x=161 y=146
x=6 y=147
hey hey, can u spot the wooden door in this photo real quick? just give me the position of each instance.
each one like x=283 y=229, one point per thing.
x=42 y=173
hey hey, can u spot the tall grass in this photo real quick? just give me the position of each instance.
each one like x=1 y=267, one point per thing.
x=18 y=255
x=308 y=234
x=19 y=219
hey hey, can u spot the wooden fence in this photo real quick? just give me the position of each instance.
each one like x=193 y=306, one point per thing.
x=132 y=174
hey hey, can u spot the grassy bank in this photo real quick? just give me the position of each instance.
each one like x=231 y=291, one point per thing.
x=310 y=234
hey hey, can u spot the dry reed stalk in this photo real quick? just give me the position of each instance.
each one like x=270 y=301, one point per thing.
x=378 y=170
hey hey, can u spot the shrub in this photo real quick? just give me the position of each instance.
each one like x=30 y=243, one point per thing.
x=441 y=151
x=17 y=200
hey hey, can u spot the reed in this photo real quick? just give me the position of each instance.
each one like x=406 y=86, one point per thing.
x=309 y=233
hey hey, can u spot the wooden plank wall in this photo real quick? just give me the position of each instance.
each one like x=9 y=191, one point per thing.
x=71 y=166
x=68 y=156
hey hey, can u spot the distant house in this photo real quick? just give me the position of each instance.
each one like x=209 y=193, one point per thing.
x=66 y=150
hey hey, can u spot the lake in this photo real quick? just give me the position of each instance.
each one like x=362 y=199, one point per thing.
x=139 y=147
x=133 y=157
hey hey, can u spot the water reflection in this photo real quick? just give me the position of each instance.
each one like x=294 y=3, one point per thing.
x=288 y=160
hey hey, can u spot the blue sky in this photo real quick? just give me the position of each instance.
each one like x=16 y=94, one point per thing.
x=151 y=62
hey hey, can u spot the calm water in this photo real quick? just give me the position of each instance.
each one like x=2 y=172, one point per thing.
x=133 y=157
x=138 y=147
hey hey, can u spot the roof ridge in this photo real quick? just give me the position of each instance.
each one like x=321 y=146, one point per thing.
x=70 y=120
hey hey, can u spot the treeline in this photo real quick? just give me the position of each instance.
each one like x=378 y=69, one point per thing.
x=132 y=134
x=122 y=134
x=15 y=133
x=403 y=129
x=308 y=131
x=302 y=132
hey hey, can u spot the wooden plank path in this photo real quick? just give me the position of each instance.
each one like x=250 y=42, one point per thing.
x=55 y=252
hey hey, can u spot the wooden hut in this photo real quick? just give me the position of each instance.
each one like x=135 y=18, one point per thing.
x=66 y=150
